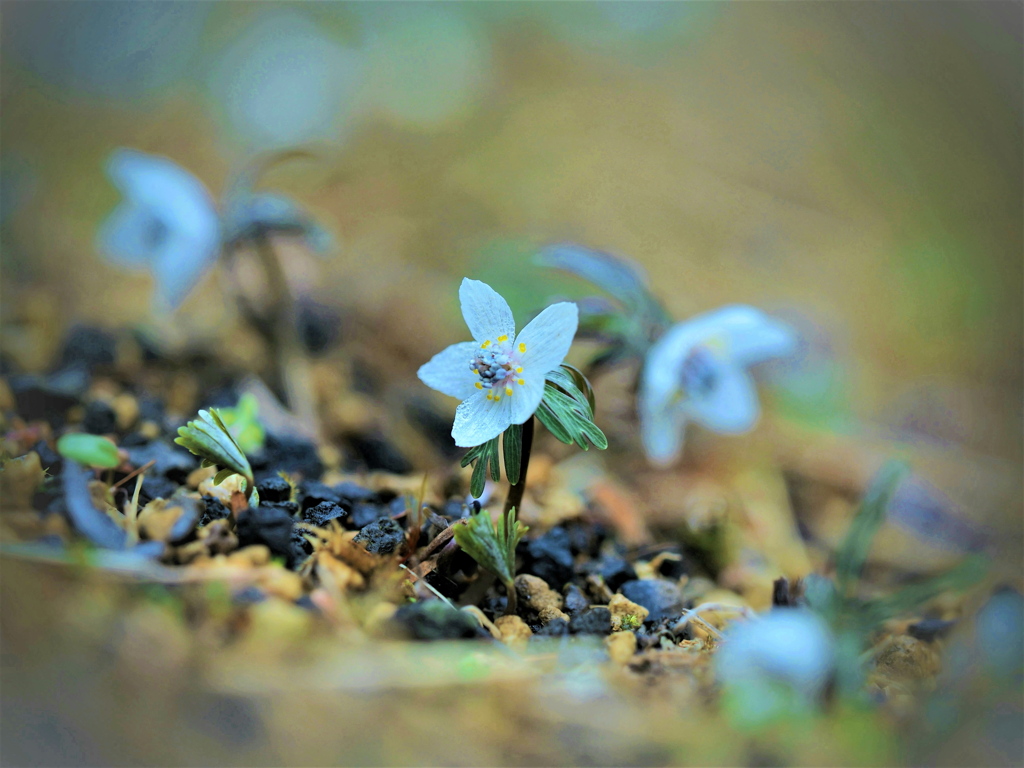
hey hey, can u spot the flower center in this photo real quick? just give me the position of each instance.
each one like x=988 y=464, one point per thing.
x=497 y=365
x=698 y=373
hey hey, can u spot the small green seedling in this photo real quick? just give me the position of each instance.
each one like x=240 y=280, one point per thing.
x=209 y=439
x=243 y=422
x=89 y=450
x=630 y=622
x=493 y=546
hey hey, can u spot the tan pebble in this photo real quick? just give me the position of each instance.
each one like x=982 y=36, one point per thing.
x=254 y=554
x=621 y=646
x=513 y=630
x=126 y=410
x=197 y=476
x=281 y=582
x=906 y=659
x=621 y=607
x=150 y=430
x=157 y=518
x=535 y=594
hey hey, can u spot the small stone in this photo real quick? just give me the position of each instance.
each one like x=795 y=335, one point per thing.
x=514 y=631
x=554 y=628
x=323 y=513
x=593 y=621
x=169 y=460
x=435 y=620
x=364 y=514
x=311 y=493
x=930 y=630
x=550 y=557
x=274 y=488
x=381 y=537
x=536 y=597
x=622 y=608
x=575 y=600
x=100 y=418
x=267 y=525
x=614 y=570
x=621 y=646
x=215 y=510
x=659 y=596
x=353 y=492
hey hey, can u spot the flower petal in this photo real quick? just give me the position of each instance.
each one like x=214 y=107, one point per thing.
x=661 y=379
x=178 y=265
x=731 y=406
x=662 y=432
x=486 y=313
x=548 y=337
x=526 y=397
x=478 y=419
x=125 y=238
x=749 y=335
x=448 y=371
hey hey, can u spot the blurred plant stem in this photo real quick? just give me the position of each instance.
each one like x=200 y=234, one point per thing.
x=515 y=491
x=293 y=371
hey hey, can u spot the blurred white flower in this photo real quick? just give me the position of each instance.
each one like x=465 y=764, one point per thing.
x=284 y=82
x=498 y=376
x=790 y=646
x=167 y=223
x=697 y=372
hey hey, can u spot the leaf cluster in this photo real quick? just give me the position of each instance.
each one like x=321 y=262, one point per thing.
x=90 y=450
x=209 y=438
x=243 y=422
x=567 y=409
x=492 y=545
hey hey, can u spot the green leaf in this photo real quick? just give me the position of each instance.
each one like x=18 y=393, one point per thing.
x=853 y=552
x=567 y=414
x=90 y=450
x=512 y=447
x=486 y=458
x=209 y=438
x=492 y=546
x=243 y=422
x=964 y=576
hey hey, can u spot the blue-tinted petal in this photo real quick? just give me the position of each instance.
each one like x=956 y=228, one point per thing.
x=547 y=337
x=662 y=432
x=730 y=406
x=179 y=266
x=449 y=371
x=486 y=313
x=478 y=419
x=126 y=237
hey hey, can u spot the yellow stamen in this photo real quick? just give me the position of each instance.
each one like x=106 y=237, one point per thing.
x=508 y=391
x=503 y=338
x=486 y=344
x=522 y=347
x=476 y=371
x=490 y=396
x=497 y=398
x=478 y=385
x=521 y=381
x=518 y=370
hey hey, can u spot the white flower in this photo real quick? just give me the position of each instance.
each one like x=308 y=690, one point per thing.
x=789 y=645
x=498 y=376
x=697 y=371
x=168 y=223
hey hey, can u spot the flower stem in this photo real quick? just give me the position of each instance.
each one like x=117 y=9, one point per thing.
x=512 y=603
x=515 y=493
x=293 y=372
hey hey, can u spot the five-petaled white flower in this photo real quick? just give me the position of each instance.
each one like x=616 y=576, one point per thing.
x=498 y=376
x=697 y=371
x=168 y=223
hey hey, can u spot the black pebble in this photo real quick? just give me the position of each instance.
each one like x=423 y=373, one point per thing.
x=154 y=487
x=549 y=557
x=376 y=453
x=613 y=569
x=312 y=493
x=171 y=461
x=301 y=547
x=48 y=458
x=353 y=492
x=556 y=628
x=435 y=620
x=364 y=514
x=593 y=621
x=659 y=596
x=575 y=601
x=88 y=346
x=290 y=453
x=215 y=510
x=267 y=524
x=382 y=537
x=323 y=513
x=930 y=630
x=100 y=418
x=49 y=397
x=274 y=488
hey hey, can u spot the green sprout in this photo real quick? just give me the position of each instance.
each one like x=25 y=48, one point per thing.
x=243 y=422
x=90 y=450
x=630 y=622
x=493 y=546
x=209 y=438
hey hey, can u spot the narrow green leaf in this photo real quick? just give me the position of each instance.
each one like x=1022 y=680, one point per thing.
x=90 y=450
x=493 y=460
x=513 y=450
x=480 y=540
x=964 y=576
x=853 y=552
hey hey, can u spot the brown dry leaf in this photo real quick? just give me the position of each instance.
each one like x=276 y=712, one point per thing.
x=341 y=574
